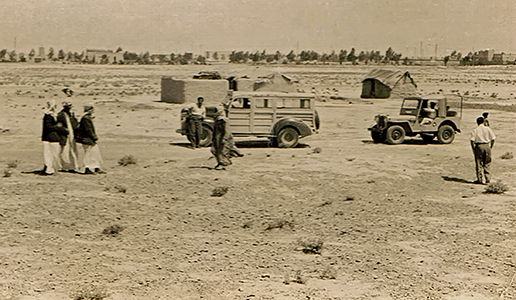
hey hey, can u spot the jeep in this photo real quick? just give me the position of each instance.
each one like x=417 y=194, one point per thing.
x=430 y=118
x=284 y=118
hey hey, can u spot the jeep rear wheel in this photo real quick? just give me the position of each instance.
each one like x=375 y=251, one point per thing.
x=395 y=135
x=288 y=137
x=427 y=137
x=445 y=134
x=206 y=136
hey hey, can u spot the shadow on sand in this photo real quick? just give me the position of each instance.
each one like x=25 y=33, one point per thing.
x=242 y=144
x=406 y=142
x=456 y=179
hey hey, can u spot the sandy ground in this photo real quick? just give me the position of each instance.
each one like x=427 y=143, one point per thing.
x=390 y=226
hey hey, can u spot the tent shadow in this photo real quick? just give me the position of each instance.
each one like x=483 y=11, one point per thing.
x=456 y=179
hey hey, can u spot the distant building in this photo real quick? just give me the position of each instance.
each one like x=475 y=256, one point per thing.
x=484 y=57
x=103 y=56
x=504 y=58
x=41 y=52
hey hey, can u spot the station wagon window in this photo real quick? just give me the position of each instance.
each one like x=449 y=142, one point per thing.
x=241 y=103
x=262 y=103
x=305 y=103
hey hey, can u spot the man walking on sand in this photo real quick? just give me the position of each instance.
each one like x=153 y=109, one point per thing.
x=196 y=113
x=88 y=138
x=482 y=140
x=52 y=135
x=69 y=162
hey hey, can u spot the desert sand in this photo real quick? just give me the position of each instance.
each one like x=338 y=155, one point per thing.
x=338 y=217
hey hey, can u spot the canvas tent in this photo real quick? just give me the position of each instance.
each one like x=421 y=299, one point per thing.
x=380 y=83
x=276 y=82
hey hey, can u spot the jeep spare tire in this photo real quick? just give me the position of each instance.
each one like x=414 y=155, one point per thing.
x=206 y=136
x=395 y=135
x=288 y=137
x=445 y=134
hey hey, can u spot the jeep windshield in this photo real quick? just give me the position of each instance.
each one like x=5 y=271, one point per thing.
x=410 y=107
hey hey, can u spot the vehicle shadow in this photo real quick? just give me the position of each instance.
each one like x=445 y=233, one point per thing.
x=242 y=144
x=407 y=142
x=262 y=144
x=456 y=179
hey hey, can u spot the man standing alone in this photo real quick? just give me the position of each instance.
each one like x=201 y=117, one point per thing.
x=482 y=140
x=196 y=113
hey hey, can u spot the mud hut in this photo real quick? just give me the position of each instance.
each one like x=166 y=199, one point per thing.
x=187 y=90
x=380 y=83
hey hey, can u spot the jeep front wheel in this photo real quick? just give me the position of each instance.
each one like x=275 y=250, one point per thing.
x=445 y=134
x=395 y=135
x=288 y=137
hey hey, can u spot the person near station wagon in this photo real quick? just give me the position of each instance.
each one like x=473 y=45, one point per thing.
x=482 y=141
x=196 y=114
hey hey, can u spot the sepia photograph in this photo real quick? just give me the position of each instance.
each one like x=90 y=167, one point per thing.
x=257 y=149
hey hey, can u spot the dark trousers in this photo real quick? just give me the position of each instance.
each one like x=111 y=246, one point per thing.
x=482 y=161
x=195 y=129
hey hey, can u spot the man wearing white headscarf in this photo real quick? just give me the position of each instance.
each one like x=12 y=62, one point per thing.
x=68 y=153
x=88 y=138
x=51 y=137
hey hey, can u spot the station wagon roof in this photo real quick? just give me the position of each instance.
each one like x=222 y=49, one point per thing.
x=273 y=94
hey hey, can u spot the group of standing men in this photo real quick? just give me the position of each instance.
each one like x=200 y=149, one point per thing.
x=69 y=145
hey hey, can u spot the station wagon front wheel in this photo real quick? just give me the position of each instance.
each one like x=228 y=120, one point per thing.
x=288 y=137
x=206 y=136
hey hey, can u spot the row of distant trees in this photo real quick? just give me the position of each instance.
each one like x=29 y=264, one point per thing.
x=312 y=56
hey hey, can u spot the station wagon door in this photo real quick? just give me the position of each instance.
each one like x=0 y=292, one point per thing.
x=263 y=117
x=240 y=116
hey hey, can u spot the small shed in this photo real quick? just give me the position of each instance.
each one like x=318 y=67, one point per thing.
x=381 y=83
x=187 y=90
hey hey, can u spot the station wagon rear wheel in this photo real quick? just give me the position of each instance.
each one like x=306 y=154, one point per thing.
x=445 y=134
x=288 y=137
x=395 y=135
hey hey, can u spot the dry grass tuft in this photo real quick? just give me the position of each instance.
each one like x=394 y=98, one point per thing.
x=297 y=278
x=278 y=224
x=120 y=188
x=113 y=229
x=8 y=173
x=328 y=273
x=497 y=187
x=311 y=246
x=91 y=293
x=219 y=191
x=507 y=155
x=127 y=160
x=13 y=164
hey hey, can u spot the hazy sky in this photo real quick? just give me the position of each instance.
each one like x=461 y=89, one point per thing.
x=162 y=26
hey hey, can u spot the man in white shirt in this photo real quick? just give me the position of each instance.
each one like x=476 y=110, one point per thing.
x=196 y=114
x=482 y=140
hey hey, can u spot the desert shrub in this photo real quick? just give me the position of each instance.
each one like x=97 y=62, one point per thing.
x=113 y=230
x=278 y=224
x=90 y=293
x=297 y=278
x=8 y=173
x=497 y=187
x=507 y=155
x=311 y=246
x=127 y=160
x=219 y=191
x=13 y=164
x=328 y=273
x=317 y=150
x=120 y=188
